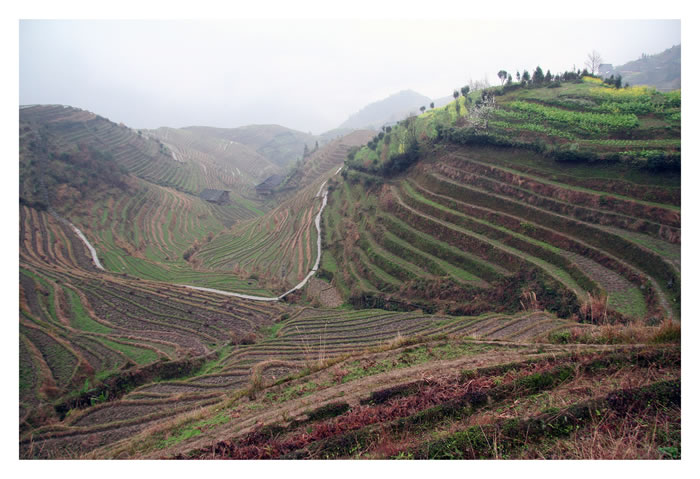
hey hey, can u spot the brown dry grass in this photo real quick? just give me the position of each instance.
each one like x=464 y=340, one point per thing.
x=634 y=332
x=581 y=386
x=639 y=436
x=528 y=301
x=595 y=309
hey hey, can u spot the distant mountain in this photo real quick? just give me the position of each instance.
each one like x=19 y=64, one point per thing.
x=198 y=144
x=278 y=144
x=389 y=110
x=662 y=70
x=68 y=154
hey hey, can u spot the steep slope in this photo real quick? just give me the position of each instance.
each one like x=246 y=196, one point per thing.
x=88 y=335
x=389 y=110
x=507 y=256
x=133 y=198
x=279 y=248
x=56 y=129
x=662 y=70
x=449 y=223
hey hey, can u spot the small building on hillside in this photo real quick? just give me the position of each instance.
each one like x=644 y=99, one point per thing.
x=266 y=187
x=220 y=197
x=604 y=69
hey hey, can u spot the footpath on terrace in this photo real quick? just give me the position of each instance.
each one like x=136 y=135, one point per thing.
x=313 y=271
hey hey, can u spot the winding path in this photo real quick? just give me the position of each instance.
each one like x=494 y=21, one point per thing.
x=228 y=293
x=82 y=237
x=93 y=253
x=298 y=286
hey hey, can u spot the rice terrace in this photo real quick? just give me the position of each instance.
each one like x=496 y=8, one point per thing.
x=496 y=276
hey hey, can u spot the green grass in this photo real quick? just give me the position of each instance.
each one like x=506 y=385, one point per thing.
x=629 y=302
x=138 y=355
x=413 y=356
x=295 y=391
x=453 y=271
x=193 y=430
x=537 y=254
x=442 y=250
x=27 y=373
x=272 y=330
x=80 y=319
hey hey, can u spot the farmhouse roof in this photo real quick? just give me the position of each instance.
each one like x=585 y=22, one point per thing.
x=213 y=195
x=271 y=182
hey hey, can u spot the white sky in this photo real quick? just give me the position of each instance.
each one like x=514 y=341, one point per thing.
x=305 y=74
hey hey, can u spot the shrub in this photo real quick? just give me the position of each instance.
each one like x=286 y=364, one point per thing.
x=560 y=337
x=669 y=332
x=595 y=309
x=573 y=154
x=238 y=337
x=657 y=160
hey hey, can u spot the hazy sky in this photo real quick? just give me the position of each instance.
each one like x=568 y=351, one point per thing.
x=304 y=74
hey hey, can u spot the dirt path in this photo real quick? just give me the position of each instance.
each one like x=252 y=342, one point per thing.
x=82 y=237
x=298 y=286
x=303 y=282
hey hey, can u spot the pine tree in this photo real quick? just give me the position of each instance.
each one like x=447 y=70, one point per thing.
x=526 y=76
x=538 y=76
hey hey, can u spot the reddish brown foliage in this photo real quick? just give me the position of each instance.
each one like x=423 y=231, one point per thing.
x=260 y=444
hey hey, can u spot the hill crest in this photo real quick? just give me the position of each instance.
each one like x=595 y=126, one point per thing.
x=389 y=110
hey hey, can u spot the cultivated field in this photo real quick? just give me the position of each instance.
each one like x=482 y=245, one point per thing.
x=474 y=221
x=501 y=279
x=445 y=397
x=279 y=248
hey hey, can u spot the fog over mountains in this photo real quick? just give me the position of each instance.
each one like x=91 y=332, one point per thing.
x=389 y=110
x=308 y=75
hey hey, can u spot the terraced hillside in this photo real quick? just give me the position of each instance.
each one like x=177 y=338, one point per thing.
x=177 y=159
x=278 y=144
x=587 y=218
x=134 y=198
x=225 y=164
x=87 y=335
x=302 y=343
x=442 y=398
x=153 y=233
x=280 y=248
x=505 y=273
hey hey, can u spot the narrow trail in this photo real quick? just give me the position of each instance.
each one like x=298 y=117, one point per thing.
x=298 y=286
x=82 y=237
x=218 y=291
x=93 y=253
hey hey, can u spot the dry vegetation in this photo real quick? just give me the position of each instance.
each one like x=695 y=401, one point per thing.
x=483 y=302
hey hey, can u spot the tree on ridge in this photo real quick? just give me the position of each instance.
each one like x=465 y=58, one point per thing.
x=593 y=62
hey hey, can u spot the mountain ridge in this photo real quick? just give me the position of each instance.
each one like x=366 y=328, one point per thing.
x=388 y=110
x=661 y=70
